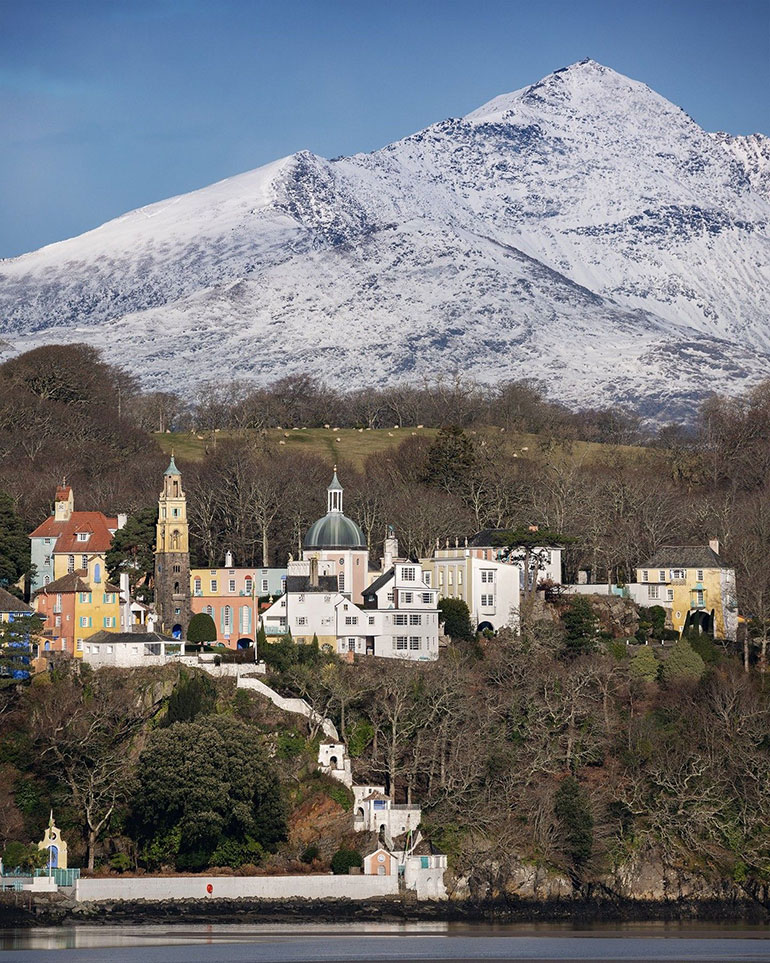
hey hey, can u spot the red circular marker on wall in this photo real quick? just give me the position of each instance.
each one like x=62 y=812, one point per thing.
x=209 y=888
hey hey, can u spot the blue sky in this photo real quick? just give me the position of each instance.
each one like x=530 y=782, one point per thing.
x=106 y=105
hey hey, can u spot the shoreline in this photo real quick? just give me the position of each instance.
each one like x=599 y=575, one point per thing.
x=24 y=913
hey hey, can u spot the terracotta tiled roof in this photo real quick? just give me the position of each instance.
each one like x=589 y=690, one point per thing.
x=49 y=529
x=63 y=493
x=99 y=527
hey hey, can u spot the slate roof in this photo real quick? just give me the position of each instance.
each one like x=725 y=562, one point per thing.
x=684 y=556
x=73 y=582
x=124 y=638
x=380 y=582
x=485 y=539
x=301 y=583
x=9 y=603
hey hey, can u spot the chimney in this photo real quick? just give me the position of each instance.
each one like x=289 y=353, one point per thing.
x=122 y=519
x=228 y=559
x=390 y=551
x=714 y=545
x=313 y=573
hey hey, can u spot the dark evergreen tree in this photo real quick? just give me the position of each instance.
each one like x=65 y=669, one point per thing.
x=14 y=543
x=193 y=695
x=580 y=624
x=202 y=628
x=456 y=616
x=451 y=459
x=576 y=825
x=133 y=551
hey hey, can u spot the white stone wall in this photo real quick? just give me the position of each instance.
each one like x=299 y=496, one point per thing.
x=236 y=887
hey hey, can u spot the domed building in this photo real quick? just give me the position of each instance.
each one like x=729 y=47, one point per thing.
x=338 y=545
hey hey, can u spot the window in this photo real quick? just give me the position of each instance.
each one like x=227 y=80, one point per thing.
x=302 y=620
x=109 y=621
x=341 y=582
x=652 y=592
x=231 y=585
x=391 y=596
x=699 y=575
x=197 y=586
x=407 y=574
x=82 y=536
x=57 y=620
x=487 y=601
x=176 y=588
x=414 y=642
x=351 y=620
x=300 y=598
x=441 y=576
x=175 y=513
x=248 y=586
x=213 y=585
x=451 y=576
x=228 y=618
x=669 y=595
x=70 y=563
x=351 y=645
x=487 y=575
x=84 y=561
x=678 y=574
x=209 y=610
x=406 y=597
x=47 y=580
x=662 y=575
x=459 y=576
x=177 y=569
x=85 y=598
x=400 y=619
x=265 y=586
x=699 y=601
x=427 y=598
x=401 y=643
x=426 y=577
x=85 y=621
x=415 y=620
x=371 y=620
x=645 y=575
x=109 y=598
x=47 y=560
x=79 y=646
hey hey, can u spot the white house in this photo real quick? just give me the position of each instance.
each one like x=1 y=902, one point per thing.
x=490 y=588
x=334 y=761
x=374 y=812
x=130 y=649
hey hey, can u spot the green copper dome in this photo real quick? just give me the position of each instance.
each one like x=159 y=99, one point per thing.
x=334 y=530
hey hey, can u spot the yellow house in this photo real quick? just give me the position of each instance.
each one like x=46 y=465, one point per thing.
x=694 y=585
x=77 y=605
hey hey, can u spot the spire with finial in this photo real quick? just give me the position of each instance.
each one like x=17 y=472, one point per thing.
x=334 y=494
x=172 y=469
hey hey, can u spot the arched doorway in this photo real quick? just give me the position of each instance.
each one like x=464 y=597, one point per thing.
x=485 y=627
x=333 y=762
x=176 y=632
x=245 y=643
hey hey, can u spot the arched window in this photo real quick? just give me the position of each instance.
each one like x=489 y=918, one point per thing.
x=97 y=572
x=70 y=563
x=174 y=540
x=209 y=610
x=249 y=583
x=228 y=617
x=176 y=489
x=176 y=588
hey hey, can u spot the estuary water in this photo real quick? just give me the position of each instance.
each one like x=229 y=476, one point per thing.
x=292 y=942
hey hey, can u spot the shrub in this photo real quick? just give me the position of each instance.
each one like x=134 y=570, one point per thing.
x=359 y=737
x=682 y=663
x=644 y=665
x=22 y=856
x=120 y=863
x=343 y=859
x=202 y=628
x=310 y=854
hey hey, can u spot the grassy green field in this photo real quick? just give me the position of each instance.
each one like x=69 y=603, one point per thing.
x=354 y=446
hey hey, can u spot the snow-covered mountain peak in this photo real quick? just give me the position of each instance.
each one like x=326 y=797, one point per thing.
x=582 y=230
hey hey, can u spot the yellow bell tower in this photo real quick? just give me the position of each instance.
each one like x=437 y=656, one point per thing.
x=172 y=556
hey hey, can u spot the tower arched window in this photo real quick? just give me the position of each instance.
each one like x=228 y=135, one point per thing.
x=176 y=588
x=176 y=488
x=174 y=540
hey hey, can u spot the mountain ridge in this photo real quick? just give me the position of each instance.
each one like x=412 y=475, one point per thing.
x=582 y=230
